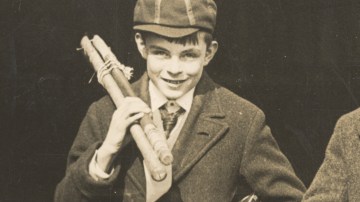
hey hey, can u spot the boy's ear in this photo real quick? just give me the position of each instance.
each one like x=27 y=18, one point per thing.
x=140 y=43
x=210 y=52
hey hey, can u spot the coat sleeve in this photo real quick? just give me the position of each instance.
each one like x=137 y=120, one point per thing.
x=78 y=185
x=266 y=168
x=330 y=181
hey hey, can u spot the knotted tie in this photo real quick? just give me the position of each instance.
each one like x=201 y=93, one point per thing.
x=169 y=115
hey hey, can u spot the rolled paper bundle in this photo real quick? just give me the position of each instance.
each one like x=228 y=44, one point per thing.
x=156 y=168
x=121 y=74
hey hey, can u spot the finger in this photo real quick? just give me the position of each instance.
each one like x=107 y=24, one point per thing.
x=132 y=107
x=135 y=100
x=132 y=102
x=135 y=108
x=127 y=113
x=141 y=106
x=134 y=118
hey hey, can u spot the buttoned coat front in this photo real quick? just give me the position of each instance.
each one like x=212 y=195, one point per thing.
x=223 y=152
x=338 y=178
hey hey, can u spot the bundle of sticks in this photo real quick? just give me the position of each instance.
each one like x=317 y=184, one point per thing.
x=113 y=76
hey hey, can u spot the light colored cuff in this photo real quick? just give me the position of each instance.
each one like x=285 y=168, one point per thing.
x=96 y=172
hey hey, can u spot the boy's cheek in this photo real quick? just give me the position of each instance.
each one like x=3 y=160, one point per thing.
x=194 y=68
x=154 y=66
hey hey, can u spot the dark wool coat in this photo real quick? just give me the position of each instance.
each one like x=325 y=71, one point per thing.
x=338 y=178
x=224 y=151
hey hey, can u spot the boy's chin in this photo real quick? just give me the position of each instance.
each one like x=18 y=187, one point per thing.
x=173 y=95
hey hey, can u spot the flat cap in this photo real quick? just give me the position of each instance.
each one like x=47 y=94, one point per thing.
x=175 y=18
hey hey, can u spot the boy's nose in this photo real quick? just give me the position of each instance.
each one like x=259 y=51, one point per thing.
x=174 y=66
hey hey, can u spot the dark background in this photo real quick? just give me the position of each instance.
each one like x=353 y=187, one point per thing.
x=297 y=60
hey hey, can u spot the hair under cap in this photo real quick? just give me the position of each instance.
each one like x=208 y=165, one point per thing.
x=175 y=18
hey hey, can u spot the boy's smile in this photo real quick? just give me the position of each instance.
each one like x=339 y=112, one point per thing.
x=174 y=68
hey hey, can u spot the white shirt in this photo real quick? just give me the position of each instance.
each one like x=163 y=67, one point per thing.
x=157 y=100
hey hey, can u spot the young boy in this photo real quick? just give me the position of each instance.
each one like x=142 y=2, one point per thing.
x=222 y=148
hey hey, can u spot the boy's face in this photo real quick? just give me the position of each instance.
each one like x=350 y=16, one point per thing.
x=175 y=68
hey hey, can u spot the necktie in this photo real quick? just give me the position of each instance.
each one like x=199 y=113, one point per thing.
x=169 y=115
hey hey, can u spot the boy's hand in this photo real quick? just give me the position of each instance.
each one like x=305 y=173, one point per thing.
x=130 y=110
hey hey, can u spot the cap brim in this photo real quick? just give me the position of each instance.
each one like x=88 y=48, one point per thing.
x=171 y=32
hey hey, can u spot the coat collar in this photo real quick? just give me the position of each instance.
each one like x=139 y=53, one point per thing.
x=204 y=126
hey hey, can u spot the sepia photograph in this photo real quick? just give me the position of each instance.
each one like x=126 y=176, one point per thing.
x=180 y=100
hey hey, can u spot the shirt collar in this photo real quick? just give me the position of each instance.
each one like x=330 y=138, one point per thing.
x=157 y=99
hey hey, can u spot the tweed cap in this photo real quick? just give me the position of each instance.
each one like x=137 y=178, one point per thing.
x=175 y=18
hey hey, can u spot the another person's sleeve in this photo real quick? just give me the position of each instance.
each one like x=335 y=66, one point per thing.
x=330 y=181
x=266 y=168
x=78 y=185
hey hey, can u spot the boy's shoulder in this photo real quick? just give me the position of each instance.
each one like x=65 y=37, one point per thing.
x=234 y=104
x=235 y=111
x=103 y=106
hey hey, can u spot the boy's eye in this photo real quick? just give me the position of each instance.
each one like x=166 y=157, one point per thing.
x=159 y=53
x=190 y=55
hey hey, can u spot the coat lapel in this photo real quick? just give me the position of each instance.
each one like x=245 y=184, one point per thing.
x=204 y=126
